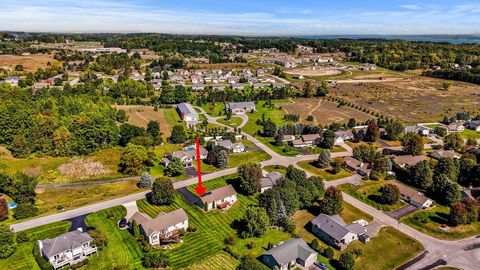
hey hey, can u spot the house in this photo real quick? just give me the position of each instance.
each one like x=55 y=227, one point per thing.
x=298 y=143
x=294 y=252
x=195 y=79
x=12 y=80
x=234 y=147
x=198 y=87
x=238 y=85
x=187 y=112
x=288 y=138
x=222 y=198
x=240 y=107
x=357 y=166
x=408 y=160
x=310 y=139
x=164 y=228
x=270 y=180
x=439 y=154
x=343 y=135
x=422 y=130
x=473 y=125
x=471 y=193
x=367 y=67
x=413 y=197
x=334 y=231
x=187 y=157
x=455 y=127
x=288 y=62
x=40 y=85
x=67 y=249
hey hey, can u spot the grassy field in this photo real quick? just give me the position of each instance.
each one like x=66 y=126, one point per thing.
x=275 y=114
x=30 y=63
x=212 y=228
x=277 y=168
x=233 y=122
x=220 y=261
x=435 y=222
x=470 y=134
x=122 y=250
x=325 y=173
x=140 y=115
x=369 y=193
x=387 y=250
x=214 y=109
x=53 y=200
x=23 y=256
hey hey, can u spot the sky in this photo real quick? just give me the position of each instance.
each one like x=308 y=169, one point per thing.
x=244 y=17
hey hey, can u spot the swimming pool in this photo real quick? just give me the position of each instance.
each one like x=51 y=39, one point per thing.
x=12 y=205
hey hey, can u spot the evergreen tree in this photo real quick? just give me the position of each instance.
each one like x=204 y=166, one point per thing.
x=145 y=180
x=324 y=159
x=178 y=135
x=222 y=159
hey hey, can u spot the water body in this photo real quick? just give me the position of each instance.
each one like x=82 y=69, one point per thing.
x=453 y=39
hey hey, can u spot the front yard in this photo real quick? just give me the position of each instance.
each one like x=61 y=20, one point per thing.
x=308 y=165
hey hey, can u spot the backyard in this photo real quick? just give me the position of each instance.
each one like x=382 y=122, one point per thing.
x=309 y=165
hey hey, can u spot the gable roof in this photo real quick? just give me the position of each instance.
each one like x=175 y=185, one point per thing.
x=65 y=242
x=219 y=193
x=408 y=160
x=334 y=226
x=412 y=194
x=271 y=179
x=161 y=222
x=186 y=109
x=443 y=154
x=357 y=164
x=240 y=105
x=290 y=251
x=310 y=137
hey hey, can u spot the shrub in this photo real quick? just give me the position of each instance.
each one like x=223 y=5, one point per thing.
x=230 y=240
x=25 y=210
x=155 y=259
x=22 y=237
x=328 y=253
x=42 y=263
x=100 y=240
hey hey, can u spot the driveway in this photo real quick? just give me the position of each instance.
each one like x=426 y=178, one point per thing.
x=131 y=209
x=404 y=211
x=190 y=198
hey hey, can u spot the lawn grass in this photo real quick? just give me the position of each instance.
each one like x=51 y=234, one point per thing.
x=308 y=165
x=214 y=108
x=172 y=117
x=220 y=261
x=470 y=134
x=389 y=249
x=233 y=122
x=52 y=200
x=275 y=114
x=369 y=193
x=432 y=220
x=23 y=256
x=276 y=168
x=284 y=150
x=122 y=250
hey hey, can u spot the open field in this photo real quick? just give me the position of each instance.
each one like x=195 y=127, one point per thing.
x=233 y=122
x=324 y=112
x=325 y=173
x=435 y=222
x=309 y=72
x=214 y=109
x=369 y=193
x=410 y=100
x=30 y=63
x=23 y=256
x=140 y=115
x=470 y=134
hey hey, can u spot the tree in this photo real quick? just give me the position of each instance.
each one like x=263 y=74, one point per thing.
x=3 y=209
x=249 y=177
x=25 y=210
x=255 y=222
x=269 y=128
x=296 y=175
x=379 y=168
x=100 y=239
x=444 y=190
x=153 y=128
x=324 y=159
x=178 y=135
x=446 y=85
x=122 y=116
x=247 y=263
x=135 y=229
x=222 y=159
x=472 y=210
x=458 y=214
x=390 y=194
x=373 y=133
x=412 y=144
x=449 y=167
x=7 y=242
x=279 y=139
x=366 y=153
x=145 y=180
x=328 y=139
x=351 y=122
x=453 y=141
x=394 y=129
x=332 y=201
x=163 y=192
x=155 y=259
x=328 y=253
x=127 y=132
x=421 y=175
x=440 y=131
x=322 y=89
x=61 y=141
x=308 y=90
x=346 y=261
x=133 y=159
x=174 y=168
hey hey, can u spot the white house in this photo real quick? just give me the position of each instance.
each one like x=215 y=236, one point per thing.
x=234 y=147
x=455 y=127
x=187 y=112
x=413 y=197
x=164 y=228
x=240 y=107
x=294 y=252
x=67 y=249
x=474 y=125
x=221 y=198
x=13 y=80
x=187 y=157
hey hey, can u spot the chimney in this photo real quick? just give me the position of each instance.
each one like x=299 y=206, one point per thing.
x=80 y=229
x=40 y=245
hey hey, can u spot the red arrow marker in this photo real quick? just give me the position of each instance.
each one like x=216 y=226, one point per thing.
x=199 y=189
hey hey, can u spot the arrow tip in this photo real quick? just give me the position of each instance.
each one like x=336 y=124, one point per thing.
x=200 y=190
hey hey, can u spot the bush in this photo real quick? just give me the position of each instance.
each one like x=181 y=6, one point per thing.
x=7 y=242
x=328 y=253
x=229 y=240
x=191 y=229
x=100 y=240
x=155 y=259
x=22 y=237
x=25 y=210
x=346 y=261
x=42 y=263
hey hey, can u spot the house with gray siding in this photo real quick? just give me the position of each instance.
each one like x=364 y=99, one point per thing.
x=335 y=232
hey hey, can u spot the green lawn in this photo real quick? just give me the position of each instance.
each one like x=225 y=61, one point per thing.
x=470 y=134
x=275 y=114
x=172 y=117
x=220 y=261
x=214 y=109
x=277 y=168
x=325 y=173
x=389 y=249
x=284 y=150
x=233 y=122
x=435 y=222
x=23 y=256
x=369 y=193
x=212 y=228
x=122 y=250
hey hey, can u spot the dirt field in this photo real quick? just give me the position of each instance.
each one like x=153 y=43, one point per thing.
x=412 y=100
x=313 y=72
x=29 y=62
x=324 y=112
x=139 y=115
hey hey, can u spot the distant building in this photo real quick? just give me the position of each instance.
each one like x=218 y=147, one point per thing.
x=439 y=154
x=270 y=180
x=357 y=166
x=311 y=139
x=335 y=232
x=455 y=127
x=221 y=198
x=240 y=107
x=187 y=112
x=413 y=197
x=473 y=125
x=12 y=80
x=408 y=160
x=288 y=255
x=367 y=67
x=187 y=157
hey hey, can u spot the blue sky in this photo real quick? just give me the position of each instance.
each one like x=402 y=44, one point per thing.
x=247 y=17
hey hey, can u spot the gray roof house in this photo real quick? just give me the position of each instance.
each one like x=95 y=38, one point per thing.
x=270 y=180
x=294 y=252
x=222 y=198
x=67 y=249
x=335 y=232
x=240 y=107
x=187 y=112
x=439 y=154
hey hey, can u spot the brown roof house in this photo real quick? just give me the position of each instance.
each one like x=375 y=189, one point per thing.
x=357 y=166
x=413 y=197
x=164 y=228
x=67 y=249
x=311 y=139
x=408 y=160
x=439 y=154
x=221 y=198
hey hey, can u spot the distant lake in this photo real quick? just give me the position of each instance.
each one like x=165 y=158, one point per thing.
x=453 y=39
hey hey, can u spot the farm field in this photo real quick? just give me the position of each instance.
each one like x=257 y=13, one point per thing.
x=410 y=100
x=30 y=63
x=140 y=115
x=324 y=112
x=325 y=173
x=23 y=256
